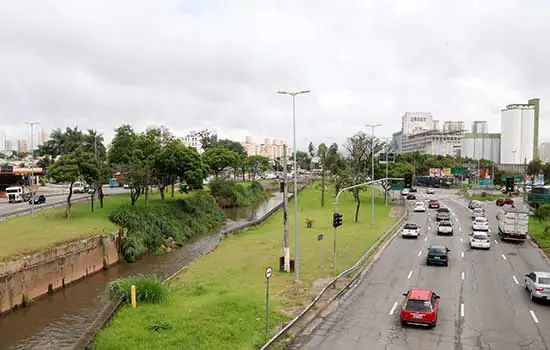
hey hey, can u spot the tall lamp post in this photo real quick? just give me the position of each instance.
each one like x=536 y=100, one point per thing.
x=372 y=126
x=294 y=94
x=32 y=124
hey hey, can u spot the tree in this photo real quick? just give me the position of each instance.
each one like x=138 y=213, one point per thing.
x=147 y=147
x=218 y=158
x=327 y=160
x=122 y=146
x=358 y=149
x=70 y=168
x=207 y=139
x=257 y=164
x=534 y=167
x=303 y=160
x=311 y=151
x=93 y=143
x=231 y=145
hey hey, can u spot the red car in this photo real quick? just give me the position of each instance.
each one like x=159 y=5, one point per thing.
x=420 y=308
x=502 y=201
x=434 y=203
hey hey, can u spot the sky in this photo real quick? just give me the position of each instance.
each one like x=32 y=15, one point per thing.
x=190 y=65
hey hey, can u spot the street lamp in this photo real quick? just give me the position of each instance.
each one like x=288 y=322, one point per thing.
x=32 y=124
x=372 y=126
x=294 y=94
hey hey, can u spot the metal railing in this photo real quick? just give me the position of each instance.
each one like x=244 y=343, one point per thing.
x=391 y=231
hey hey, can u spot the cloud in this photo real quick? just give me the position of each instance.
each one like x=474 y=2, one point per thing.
x=218 y=64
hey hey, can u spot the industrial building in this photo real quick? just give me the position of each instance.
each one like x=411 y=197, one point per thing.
x=434 y=142
x=518 y=134
x=481 y=146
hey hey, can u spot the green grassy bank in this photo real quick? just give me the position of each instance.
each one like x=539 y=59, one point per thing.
x=218 y=301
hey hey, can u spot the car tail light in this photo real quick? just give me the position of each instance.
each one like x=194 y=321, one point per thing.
x=540 y=289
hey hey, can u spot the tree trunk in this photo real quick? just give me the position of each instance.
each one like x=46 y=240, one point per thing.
x=358 y=201
x=244 y=173
x=161 y=189
x=134 y=193
x=68 y=213
x=172 y=185
x=323 y=188
x=147 y=195
x=100 y=195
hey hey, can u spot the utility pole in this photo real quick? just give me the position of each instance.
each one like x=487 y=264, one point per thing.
x=372 y=126
x=32 y=124
x=386 y=194
x=286 y=249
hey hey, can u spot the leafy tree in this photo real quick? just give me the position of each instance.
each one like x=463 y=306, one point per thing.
x=357 y=147
x=303 y=159
x=257 y=164
x=122 y=146
x=311 y=151
x=207 y=139
x=231 y=145
x=534 y=167
x=328 y=160
x=218 y=158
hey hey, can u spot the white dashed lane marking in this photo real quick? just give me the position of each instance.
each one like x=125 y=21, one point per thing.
x=515 y=280
x=461 y=310
x=462 y=255
x=419 y=252
x=496 y=242
x=463 y=276
x=393 y=308
x=533 y=316
x=461 y=239
x=410 y=274
x=503 y=256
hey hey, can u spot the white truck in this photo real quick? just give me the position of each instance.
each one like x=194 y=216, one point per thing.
x=18 y=194
x=513 y=224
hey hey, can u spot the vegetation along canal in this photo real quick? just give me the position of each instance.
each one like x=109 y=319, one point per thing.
x=58 y=320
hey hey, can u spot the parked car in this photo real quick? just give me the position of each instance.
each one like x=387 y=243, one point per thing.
x=430 y=191
x=411 y=196
x=480 y=240
x=443 y=214
x=433 y=204
x=38 y=199
x=438 y=254
x=420 y=308
x=480 y=223
x=445 y=228
x=537 y=284
x=410 y=230
x=419 y=207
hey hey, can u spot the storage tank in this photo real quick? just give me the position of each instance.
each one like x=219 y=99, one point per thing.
x=517 y=132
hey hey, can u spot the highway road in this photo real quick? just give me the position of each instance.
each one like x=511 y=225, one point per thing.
x=52 y=198
x=483 y=301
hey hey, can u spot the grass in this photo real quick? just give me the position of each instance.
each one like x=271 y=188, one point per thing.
x=218 y=301
x=536 y=230
x=487 y=197
x=24 y=235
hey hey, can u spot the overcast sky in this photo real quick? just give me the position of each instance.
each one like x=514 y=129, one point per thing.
x=217 y=64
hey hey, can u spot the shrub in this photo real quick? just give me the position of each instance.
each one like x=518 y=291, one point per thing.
x=233 y=194
x=542 y=212
x=149 y=290
x=484 y=194
x=182 y=219
x=309 y=223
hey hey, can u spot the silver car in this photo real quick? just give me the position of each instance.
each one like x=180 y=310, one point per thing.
x=537 y=284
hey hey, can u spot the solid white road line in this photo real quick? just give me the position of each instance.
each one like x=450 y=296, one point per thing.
x=515 y=280
x=463 y=276
x=535 y=319
x=503 y=256
x=393 y=308
x=419 y=253
x=462 y=255
x=461 y=310
x=410 y=274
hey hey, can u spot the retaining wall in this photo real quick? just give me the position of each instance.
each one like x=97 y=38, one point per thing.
x=45 y=271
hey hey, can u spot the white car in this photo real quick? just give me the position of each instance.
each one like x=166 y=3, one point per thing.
x=405 y=191
x=478 y=212
x=480 y=240
x=537 y=284
x=430 y=191
x=411 y=230
x=480 y=224
x=419 y=206
x=445 y=227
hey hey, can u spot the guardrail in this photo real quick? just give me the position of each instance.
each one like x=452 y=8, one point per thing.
x=391 y=231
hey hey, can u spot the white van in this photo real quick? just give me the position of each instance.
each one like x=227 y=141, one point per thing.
x=80 y=187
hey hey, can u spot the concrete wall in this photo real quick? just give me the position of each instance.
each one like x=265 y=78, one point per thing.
x=44 y=271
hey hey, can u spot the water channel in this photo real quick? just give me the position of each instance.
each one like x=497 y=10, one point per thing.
x=58 y=320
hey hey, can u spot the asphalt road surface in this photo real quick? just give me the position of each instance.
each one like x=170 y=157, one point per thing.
x=58 y=198
x=483 y=301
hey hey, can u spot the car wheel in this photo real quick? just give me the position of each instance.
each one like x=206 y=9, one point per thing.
x=403 y=323
x=446 y=264
x=432 y=325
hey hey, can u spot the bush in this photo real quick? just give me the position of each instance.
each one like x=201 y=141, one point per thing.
x=542 y=212
x=483 y=194
x=233 y=194
x=150 y=227
x=309 y=223
x=149 y=290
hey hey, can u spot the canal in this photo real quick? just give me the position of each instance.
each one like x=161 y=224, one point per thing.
x=58 y=320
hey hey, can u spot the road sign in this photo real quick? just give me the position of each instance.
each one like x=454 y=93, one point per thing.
x=397 y=187
x=268 y=272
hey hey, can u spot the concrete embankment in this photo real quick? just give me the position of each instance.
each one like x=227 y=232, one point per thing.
x=29 y=277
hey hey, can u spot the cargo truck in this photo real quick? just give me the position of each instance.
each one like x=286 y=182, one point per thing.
x=513 y=224
x=18 y=194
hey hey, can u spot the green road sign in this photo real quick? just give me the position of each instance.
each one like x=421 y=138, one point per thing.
x=397 y=187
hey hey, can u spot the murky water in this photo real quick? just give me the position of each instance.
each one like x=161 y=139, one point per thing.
x=58 y=320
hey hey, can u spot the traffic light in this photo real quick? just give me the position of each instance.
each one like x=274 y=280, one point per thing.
x=509 y=184
x=337 y=220
x=408 y=180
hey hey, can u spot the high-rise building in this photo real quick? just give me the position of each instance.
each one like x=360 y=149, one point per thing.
x=3 y=141
x=397 y=142
x=544 y=152
x=22 y=146
x=42 y=137
x=415 y=122
x=517 y=134
x=270 y=149
x=9 y=146
x=433 y=142
x=480 y=127
x=453 y=126
x=535 y=102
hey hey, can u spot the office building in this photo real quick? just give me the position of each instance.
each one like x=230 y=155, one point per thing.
x=22 y=146
x=480 y=127
x=397 y=142
x=517 y=134
x=3 y=146
x=481 y=146
x=270 y=149
x=193 y=139
x=42 y=137
x=450 y=126
x=416 y=122
x=433 y=142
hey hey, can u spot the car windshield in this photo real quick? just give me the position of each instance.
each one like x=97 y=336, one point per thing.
x=481 y=237
x=411 y=226
x=443 y=210
x=418 y=305
x=544 y=280
x=438 y=250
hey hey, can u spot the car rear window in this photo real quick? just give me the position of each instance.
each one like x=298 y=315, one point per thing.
x=444 y=223
x=411 y=226
x=480 y=237
x=418 y=305
x=438 y=250
x=443 y=210
x=544 y=280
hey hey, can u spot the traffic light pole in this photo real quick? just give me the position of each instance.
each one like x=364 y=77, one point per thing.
x=336 y=210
